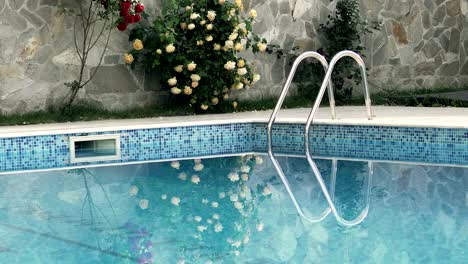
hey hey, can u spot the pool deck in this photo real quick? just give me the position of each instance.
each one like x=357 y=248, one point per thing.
x=346 y=115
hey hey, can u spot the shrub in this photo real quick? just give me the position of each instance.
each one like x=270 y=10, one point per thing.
x=342 y=31
x=195 y=48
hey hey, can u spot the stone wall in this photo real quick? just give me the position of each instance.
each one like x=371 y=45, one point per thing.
x=422 y=44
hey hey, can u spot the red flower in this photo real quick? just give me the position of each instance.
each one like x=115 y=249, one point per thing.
x=129 y=19
x=123 y=13
x=122 y=26
x=139 y=8
x=126 y=5
x=136 y=18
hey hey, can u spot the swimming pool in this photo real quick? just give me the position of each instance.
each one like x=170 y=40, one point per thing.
x=233 y=210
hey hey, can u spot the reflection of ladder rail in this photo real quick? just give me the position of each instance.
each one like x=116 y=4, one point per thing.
x=326 y=83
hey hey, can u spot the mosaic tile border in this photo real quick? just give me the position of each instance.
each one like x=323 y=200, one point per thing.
x=432 y=145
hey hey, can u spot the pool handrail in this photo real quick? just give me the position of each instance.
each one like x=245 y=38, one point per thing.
x=284 y=92
x=326 y=83
x=308 y=125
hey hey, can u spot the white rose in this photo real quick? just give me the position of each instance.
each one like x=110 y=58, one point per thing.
x=194 y=16
x=204 y=201
x=202 y=228
x=182 y=176
x=216 y=216
x=260 y=227
x=183 y=25
x=214 y=101
x=164 y=196
x=238 y=86
x=241 y=63
x=170 y=48
x=175 y=165
x=217 y=47
x=195 y=179
x=195 y=84
x=229 y=44
x=209 y=27
x=221 y=195
x=218 y=228
x=191 y=26
x=143 y=204
x=204 y=107
x=133 y=190
x=242 y=71
x=234 y=197
x=188 y=8
x=209 y=38
x=187 y=90
x=256 y=78
x=179 y=68
x=197 y=218
x=245 y=169
x=172 y=81
x=245 y=177
x=233 y=36
x=253 y=13
x=239 y=47
x=159 y=51
x=192 y=66
x=258 y=160
x=198 y=167
x=175 y=201
x=221 y=2
x=266 y=191
x=200 y=42
x=226 y=96
x=195 y=77
x=203 y=22
x=262 y=47
x=214 y=204
x=230 y=65
x=238 y=205
x=211 y=15
x=233 y=176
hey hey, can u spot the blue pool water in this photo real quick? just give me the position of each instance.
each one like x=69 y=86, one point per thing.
x=235 y=211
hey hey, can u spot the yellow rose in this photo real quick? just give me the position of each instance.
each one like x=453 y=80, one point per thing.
x=179 y=68
x=241 y=63
x=253 y=13
x=137 y=44
x=192 y=66
x=187 y=90
x=170 y=48
x=175 y=90
x=238 y=47
x=128 y=58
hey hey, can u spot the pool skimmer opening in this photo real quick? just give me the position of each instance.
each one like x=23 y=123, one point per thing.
x=94 y=148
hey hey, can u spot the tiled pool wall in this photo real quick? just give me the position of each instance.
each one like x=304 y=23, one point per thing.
x=411 y=144
x=434 y=145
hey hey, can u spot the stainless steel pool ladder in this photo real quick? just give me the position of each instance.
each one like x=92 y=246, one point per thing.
x=326 y=83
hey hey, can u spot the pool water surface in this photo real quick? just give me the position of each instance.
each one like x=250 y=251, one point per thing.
x=233 y=210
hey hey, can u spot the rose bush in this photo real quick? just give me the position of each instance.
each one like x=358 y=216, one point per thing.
x=195 y=48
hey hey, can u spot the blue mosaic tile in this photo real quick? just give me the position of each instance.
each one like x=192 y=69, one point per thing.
x=435 y=145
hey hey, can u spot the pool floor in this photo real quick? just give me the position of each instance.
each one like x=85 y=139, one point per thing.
x=233 y=210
